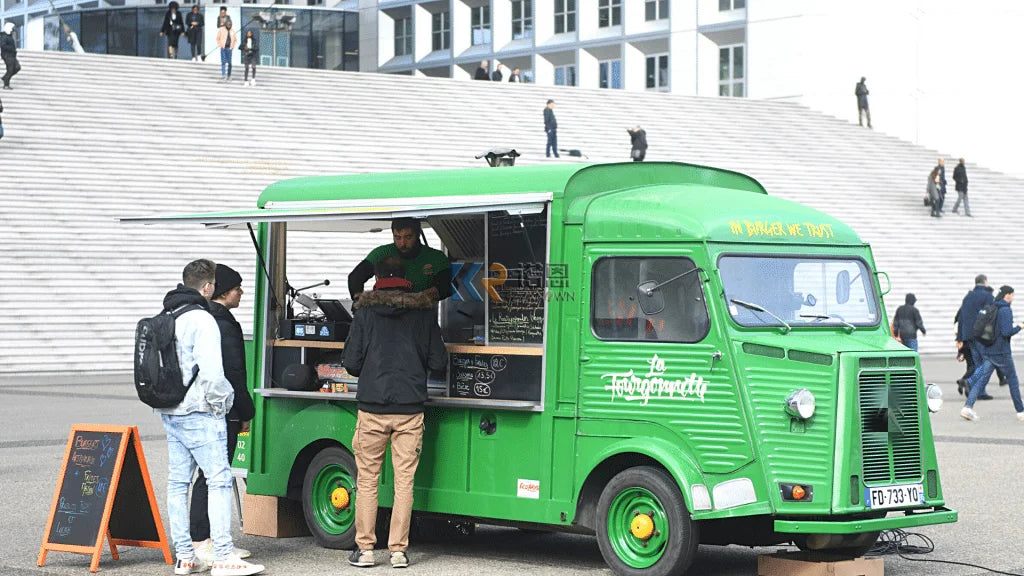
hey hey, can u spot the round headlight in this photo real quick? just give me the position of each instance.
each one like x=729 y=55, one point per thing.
x=934 y=396
x=800 y=404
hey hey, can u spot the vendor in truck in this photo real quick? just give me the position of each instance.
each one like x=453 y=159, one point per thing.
x=427 y=268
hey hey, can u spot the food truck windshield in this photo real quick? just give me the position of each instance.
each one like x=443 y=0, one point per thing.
x=793 y=291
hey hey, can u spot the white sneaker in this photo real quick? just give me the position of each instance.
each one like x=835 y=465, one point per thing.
x=969 y=414
x=1020 y=416
x=204 y=551
x=235 y=566
x=252 y=82
x=241 y=552
x=189 y=565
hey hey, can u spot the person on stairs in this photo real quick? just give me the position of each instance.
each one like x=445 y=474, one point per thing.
x=861 y=92
x=250 y=55
x=9 y=53
x=960 y=183
x=933 y=192
x=226 y=41
x=173 y=27
x=195 y=23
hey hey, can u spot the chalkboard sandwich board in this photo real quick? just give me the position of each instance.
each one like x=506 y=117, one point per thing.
x=103 y=492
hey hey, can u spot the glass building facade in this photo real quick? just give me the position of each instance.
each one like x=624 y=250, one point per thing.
x=314 y=38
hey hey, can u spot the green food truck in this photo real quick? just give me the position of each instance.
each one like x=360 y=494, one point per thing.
x=659 y=354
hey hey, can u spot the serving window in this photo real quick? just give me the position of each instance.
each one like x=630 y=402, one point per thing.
x=493 y=322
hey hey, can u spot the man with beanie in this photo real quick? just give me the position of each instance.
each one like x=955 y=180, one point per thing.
x=227 y=294
x=393 y=343
x=907 y=322
x=997 y=355
x=9 y=53
x=196 y=428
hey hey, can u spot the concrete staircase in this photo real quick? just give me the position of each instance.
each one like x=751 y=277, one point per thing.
x=90 y=138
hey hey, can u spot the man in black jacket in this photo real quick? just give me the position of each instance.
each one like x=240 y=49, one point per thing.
x=960 y=180
x=907 y=321
x=393 y=343
x=861 y=92
x=9 y=53
x=227 y=294
x=551 y=127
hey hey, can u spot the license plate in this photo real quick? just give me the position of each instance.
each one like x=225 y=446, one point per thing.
x=894 y=496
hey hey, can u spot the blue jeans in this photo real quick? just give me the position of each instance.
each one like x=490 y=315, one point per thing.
x=1005 y=363
x=225 y=62
x=198 y=438
x=552 y=147
x=912 y=344
x=978 y=354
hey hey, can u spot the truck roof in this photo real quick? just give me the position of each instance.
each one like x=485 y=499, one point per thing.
x=631 y=201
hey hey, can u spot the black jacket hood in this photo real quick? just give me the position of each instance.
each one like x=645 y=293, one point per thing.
x=910 y=299
x=183 y=295
x=393 y=302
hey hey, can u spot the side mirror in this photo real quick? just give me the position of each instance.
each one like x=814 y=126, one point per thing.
x=843 y=287
x=650 y=297
x=810 y=300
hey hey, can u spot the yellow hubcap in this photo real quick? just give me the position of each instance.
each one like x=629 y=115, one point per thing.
x=642 y=526
x=339 y=498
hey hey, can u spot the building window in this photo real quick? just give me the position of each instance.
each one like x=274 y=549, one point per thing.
x=724 y=5
x=441 y=31
x=609 y=13
x=565 y=16
x=610 y=74
x=657 y=72
x=673 y=311
x=481 y=25
x=565 y=75
x=657 y=10
x=731 y=77
x=403 y=36
x=522 y=19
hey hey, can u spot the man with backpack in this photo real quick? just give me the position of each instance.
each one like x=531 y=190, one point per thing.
x=997 y=324
x=973 y=303
x=196 y=426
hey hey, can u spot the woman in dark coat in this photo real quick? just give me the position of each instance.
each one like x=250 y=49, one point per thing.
x=194 y=32
x=173 y=27
x=638 y=142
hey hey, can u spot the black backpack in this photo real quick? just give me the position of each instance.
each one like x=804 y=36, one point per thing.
x=985 y=325
x=158 y=379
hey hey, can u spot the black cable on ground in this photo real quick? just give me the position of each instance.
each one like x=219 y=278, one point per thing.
x=899 y=542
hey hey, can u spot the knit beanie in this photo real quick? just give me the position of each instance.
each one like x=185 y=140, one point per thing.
x=227 y=279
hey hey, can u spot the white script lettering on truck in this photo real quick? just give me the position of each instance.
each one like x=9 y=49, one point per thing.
x=629 y=386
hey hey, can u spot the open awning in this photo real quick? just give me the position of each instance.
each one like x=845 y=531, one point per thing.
x=356 y=215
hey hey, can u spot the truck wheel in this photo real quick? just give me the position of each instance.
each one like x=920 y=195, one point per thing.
x=328 y=498
x=643 y=527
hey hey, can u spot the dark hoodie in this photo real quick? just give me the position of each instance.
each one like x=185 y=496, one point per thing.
x=183 y=295
x=393 y=343
x=907 y=320
x=232 y=350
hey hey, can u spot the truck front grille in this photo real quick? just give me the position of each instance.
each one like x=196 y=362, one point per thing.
x=890 y=426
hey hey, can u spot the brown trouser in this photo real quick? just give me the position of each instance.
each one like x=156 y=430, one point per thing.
x=369 y=443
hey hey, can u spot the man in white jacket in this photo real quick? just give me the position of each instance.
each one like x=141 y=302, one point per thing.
x=196 y=428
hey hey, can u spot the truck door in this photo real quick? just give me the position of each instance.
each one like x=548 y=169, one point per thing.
x=650 y=352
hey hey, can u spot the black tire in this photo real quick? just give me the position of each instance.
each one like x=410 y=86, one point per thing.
x=865 y=543
x=328 y=530
x=684 y=535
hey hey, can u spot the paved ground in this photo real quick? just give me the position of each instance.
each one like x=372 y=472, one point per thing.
x=981 y=466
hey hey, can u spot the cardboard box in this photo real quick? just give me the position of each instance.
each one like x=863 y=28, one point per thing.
x=272 y=516
x=813 y=564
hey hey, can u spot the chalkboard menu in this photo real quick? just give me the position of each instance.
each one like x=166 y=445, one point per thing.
x=494 y=376
x=103 y=492
x=519 y=243
x=85 y=488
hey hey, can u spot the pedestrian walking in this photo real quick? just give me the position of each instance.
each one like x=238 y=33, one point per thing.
x=173 y=27
x=481 y=71
x=250 y=55
x=9 y=54
x=960 y=183
x=861 y=92
x=516 y=76
x=907 y=321
x=638 y=142
x=941 y=167
x=971 y=350
x=933 y=192
x=195 y=22
x=997 y=355
x=1 y=120
x=551 y=127
x=226 y=41
x=222 y=18
x=499 y=73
